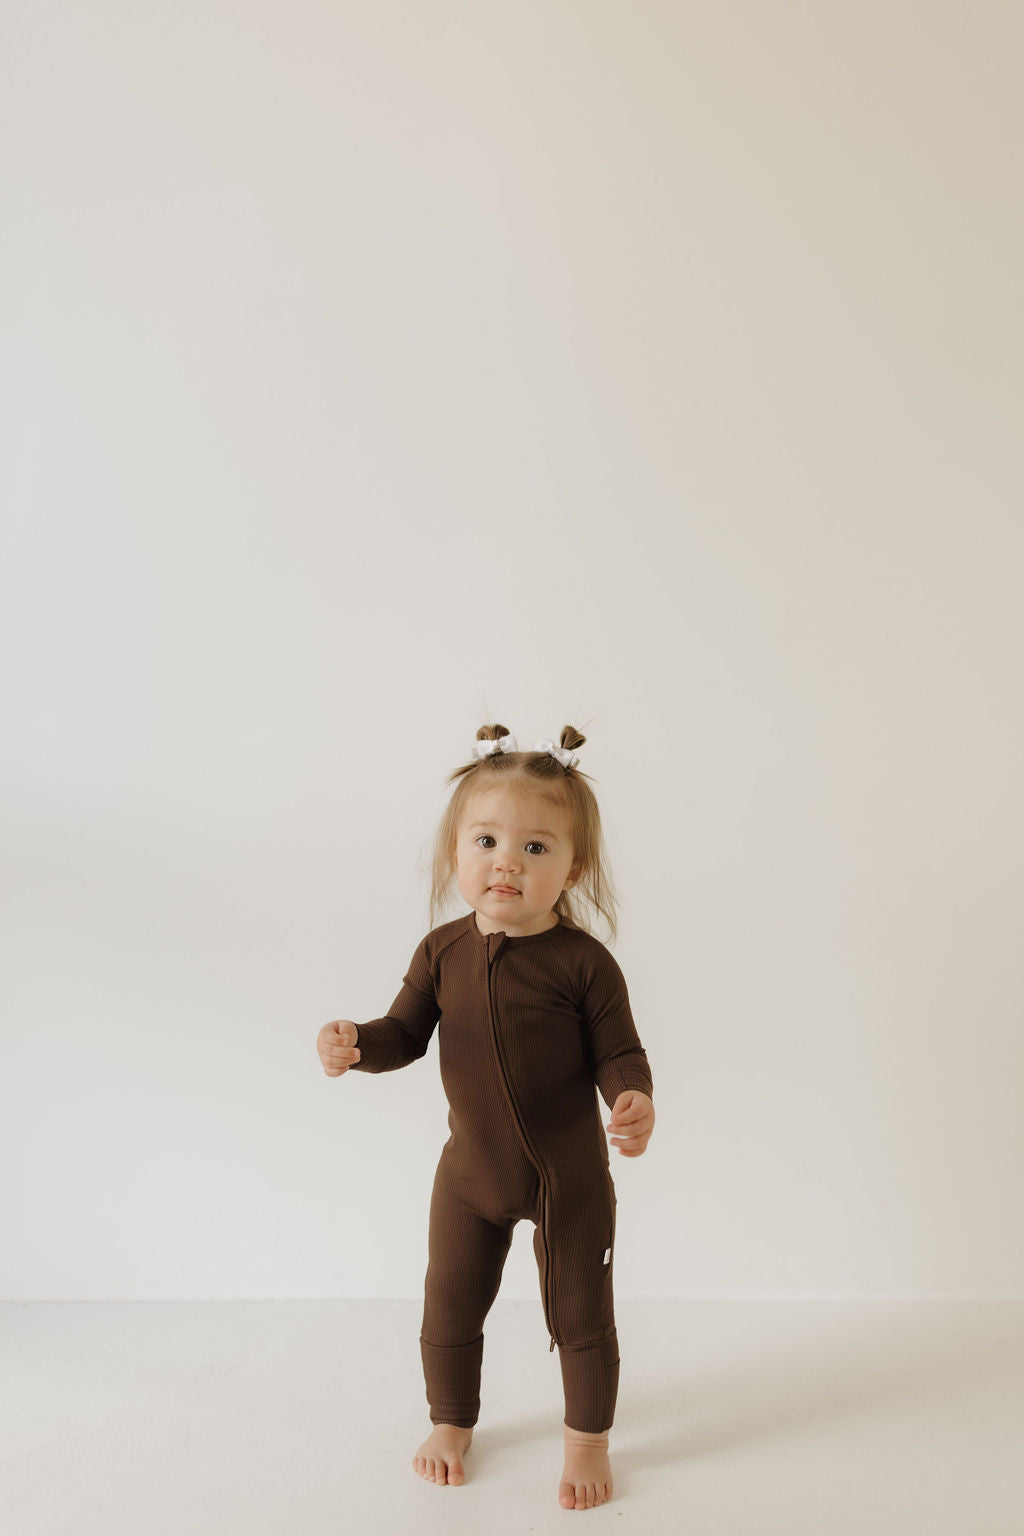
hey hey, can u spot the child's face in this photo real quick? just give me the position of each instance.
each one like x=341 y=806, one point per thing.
x=516 y=839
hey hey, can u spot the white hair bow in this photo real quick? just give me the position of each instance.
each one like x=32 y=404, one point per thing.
x=503 y=744
x=564 y=756
x=508 y=744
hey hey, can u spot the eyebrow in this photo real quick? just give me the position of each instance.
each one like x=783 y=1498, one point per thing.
x=537 y=831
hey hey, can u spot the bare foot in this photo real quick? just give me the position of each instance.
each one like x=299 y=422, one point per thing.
x=439 y=1458
x=587 y=1474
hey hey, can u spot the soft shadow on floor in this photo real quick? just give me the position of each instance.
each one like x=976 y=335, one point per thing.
x=828 y=1370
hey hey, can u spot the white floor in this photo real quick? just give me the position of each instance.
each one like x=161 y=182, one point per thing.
x=252 y=1418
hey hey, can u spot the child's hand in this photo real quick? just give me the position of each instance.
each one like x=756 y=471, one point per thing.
x=336 y=1046
x=633 y=1119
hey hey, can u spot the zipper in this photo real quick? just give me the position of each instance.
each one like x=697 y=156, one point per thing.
x=547 y=1259
x=528 y=1144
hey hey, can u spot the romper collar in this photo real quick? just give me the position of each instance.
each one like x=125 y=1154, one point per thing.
x=508 y=938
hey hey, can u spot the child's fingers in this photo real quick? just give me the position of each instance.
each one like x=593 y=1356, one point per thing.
x=628 y=1116
x=338 y=1058
x=632 y=1127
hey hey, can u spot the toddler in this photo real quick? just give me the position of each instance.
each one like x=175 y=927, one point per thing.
x=533 y=1012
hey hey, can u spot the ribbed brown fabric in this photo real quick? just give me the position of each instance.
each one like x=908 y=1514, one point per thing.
x=528 y=1026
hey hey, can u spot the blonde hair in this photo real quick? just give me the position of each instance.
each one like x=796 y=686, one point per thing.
x=565 y=788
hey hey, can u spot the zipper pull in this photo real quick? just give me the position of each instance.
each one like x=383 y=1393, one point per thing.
x=552 y=1346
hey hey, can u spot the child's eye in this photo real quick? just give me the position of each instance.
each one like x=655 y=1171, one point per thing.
x=486 y=836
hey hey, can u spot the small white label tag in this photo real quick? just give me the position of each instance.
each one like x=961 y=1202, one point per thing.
x=607 y=1255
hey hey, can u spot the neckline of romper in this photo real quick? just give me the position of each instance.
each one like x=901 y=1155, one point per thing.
x=510 y=938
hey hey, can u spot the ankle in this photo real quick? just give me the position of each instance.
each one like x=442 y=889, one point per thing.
x=581 y=1437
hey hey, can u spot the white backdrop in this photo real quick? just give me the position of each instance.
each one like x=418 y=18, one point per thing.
x=372 y=371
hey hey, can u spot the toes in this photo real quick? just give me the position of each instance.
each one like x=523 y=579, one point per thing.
x=583 y=1495
x=436 y=1470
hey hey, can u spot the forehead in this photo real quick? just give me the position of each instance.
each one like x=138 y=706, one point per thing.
x=521 y=811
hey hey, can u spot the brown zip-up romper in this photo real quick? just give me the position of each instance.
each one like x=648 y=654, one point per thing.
x=528 y=1025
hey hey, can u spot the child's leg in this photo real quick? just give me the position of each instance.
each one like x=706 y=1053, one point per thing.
x=590 y=1382
x=582 y=1305
x=467 y=1255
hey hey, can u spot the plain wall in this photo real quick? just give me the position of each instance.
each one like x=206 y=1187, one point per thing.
x=374 y=371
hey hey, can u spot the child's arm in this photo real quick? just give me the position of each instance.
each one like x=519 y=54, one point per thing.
x=618 y=1060
x=404 y=1032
